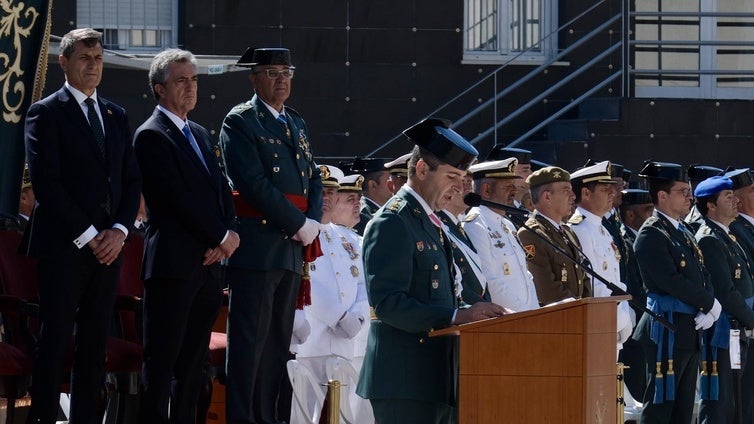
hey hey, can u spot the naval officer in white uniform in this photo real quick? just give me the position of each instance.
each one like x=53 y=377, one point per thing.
x=593 y=187
x=509 y=281
x=339 y=309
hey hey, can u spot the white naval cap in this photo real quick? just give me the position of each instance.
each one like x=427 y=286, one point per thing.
x=599 y=172
x=399 y=165
x=505 y=168
x=351 y=182
x=330 y=176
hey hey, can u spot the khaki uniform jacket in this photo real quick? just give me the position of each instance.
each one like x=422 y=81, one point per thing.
x=555 y=277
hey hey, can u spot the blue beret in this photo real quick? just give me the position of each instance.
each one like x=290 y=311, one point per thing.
x=712 y=186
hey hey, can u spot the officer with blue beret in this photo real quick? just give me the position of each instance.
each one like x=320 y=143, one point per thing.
x=730 y=268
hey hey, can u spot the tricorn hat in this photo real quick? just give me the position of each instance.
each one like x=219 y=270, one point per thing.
x=435 y=135
x=265 y=56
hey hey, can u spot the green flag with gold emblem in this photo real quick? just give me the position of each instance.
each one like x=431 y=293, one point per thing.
x=24 y=41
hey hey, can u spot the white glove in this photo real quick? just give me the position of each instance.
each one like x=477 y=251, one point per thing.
x=716 y=308
x=301 y=328
x=704 y=321
x=308 y=232
x=351 y=324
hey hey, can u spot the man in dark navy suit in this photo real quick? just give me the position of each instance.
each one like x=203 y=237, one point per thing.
x=86 y=182
x=190 y=230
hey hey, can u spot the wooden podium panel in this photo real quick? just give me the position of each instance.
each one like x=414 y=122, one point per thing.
x=550 y=365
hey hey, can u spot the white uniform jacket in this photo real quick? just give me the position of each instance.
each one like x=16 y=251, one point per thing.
x=337 y=281
x=598 y=246
x=503 y=260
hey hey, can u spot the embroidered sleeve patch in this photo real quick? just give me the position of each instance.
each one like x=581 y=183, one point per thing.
x=530 y=251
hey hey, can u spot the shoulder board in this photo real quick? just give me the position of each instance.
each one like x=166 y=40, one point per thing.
x=472 y=216
x=397 y=203
x=576 y=219
x=652 y=220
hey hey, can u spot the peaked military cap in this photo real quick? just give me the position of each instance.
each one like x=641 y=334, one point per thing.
x=546 y=175
x=600 y=172
x=616 y=170
x=499 y=152
x=627 y=174
x=435 y=135
x=399 y=166
x=741 y=178
x=330 y=176
x=697 y=173
x=351 y=182
x=635 y=196
x=663 y=171
x=505 y=168
x=712 y=186
x=265 y=56
x=366 y=165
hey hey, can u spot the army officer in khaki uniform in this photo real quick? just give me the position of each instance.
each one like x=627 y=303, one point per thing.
x=555 y=277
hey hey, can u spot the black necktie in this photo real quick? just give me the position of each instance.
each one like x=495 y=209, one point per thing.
x=96 y=125
x=99 y=137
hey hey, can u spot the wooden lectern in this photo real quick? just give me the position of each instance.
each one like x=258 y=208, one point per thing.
x=551 y=365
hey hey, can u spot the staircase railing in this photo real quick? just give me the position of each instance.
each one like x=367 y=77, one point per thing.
x=530 y=78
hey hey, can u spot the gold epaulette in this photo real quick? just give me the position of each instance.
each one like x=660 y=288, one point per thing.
x=472 y=216
x=576 y=219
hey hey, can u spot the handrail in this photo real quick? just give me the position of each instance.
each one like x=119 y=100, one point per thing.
x=586 y=67
x=496 y=71
x=536 y=71
x=565 y=108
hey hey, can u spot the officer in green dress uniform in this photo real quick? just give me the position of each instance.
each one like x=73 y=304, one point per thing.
x=636 y=206
x=729 y=267
x=465 y=254
x=678 y=288
x=743 y=229
x=278 y=201
x=407 y=376
x=555 y=277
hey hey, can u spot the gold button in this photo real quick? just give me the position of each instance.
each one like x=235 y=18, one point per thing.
x=275 y=155
x=436 y=267
x=264 y=222
x=304 y=191
x=302 y=173
x=298 y=156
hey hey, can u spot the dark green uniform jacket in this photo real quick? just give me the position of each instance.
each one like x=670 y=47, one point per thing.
x=263 y=164
x=410 y=286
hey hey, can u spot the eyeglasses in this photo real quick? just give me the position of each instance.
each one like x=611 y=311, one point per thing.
x=275 y=73
x=685 y=192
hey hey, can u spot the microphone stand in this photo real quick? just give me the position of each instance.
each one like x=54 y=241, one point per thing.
x=475 y=200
